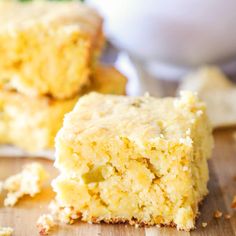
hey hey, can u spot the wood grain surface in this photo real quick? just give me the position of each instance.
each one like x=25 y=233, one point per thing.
x=222 y=188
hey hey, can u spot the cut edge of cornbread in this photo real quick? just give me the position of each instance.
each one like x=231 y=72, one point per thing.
x=98 y=185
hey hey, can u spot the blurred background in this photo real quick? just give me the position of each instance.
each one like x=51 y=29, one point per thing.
x=167 y=39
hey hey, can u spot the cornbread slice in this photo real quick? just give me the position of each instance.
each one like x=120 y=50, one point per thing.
x=32 y=123
x=219 y=93
x=140 y=160
x=48 y=47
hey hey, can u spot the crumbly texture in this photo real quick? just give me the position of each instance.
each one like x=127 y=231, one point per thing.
x=70 y=31
x=45 y=224
x=139 y=160
x=6 y=231
x=28 y=182
x=217 y=91
x=32 y=123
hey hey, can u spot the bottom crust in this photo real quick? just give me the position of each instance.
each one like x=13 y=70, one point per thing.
x=73 y=216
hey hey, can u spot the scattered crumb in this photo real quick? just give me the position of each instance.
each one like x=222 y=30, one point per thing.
x=45 y=224
x=233 y=205
x=27 y=182
x=227 y=216
x=218 y=214
x=204 y=224
x=6 y=231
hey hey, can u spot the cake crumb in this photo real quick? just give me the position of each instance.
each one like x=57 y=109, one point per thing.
x=227 y=216
x=217 y=214
x=45 y=224
x=6 y=231
x=233 y=205
x=204 y=224
x=28 y=182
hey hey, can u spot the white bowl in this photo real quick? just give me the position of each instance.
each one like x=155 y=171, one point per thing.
x=181 y=32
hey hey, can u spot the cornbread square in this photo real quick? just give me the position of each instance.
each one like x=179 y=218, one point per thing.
x=32 y=123
x=48 y=48
x=139 y=160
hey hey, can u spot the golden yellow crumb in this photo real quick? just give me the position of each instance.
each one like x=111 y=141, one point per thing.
x=233 y=205
x=6 y=231
x=28 y=182
x=45 y=224
x=204 y=224
x=218 y=214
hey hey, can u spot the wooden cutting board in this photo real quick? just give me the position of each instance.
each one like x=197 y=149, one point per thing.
x=222 y=188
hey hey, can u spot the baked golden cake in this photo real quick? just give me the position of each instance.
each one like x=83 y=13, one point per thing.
x=139 y=160
x=48 y=48
x=32 y=123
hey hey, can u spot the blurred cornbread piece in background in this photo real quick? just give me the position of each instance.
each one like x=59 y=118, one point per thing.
x=217 y=91
x=32 y=123
x=48 y=48
x=108 y=80
x=139 y=160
